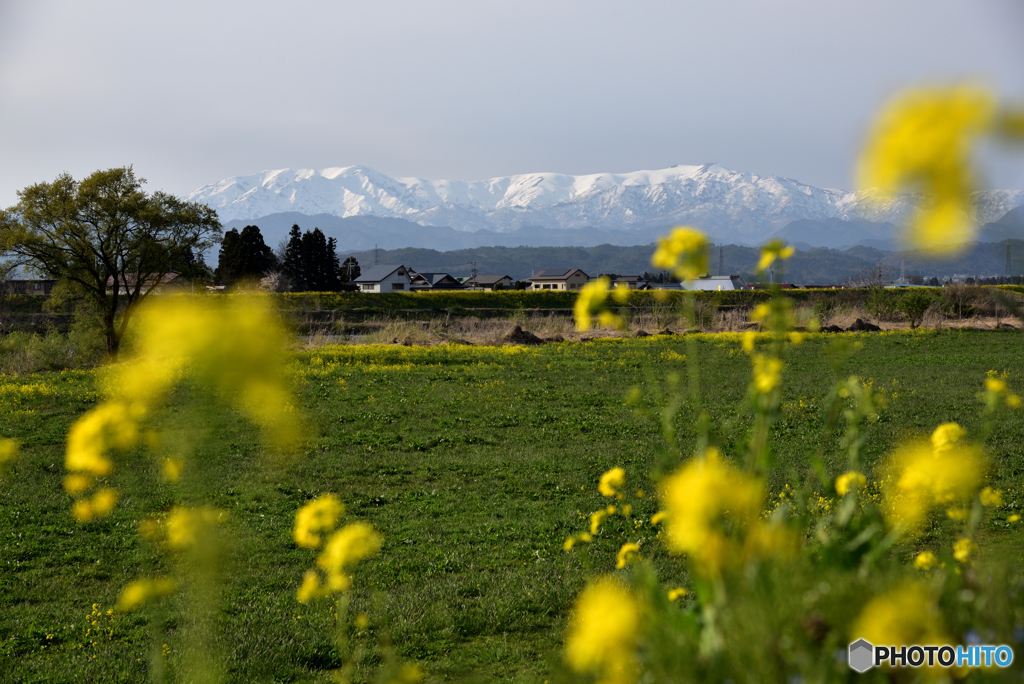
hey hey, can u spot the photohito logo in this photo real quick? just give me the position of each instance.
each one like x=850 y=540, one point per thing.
x=863 y=656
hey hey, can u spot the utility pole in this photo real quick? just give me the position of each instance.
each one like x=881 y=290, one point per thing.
x=721 y=259
x=1006 y=269
x=472 y=280
x=375 y=254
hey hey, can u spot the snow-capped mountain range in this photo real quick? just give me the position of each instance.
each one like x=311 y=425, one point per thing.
x=729 y=205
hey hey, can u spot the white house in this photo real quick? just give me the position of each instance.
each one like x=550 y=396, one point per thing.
x=384 y=278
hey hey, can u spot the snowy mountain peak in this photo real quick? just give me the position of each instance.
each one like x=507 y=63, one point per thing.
x=728 y=204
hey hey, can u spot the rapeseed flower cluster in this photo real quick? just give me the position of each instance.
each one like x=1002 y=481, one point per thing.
x=774 y=249
x=183 y=528
x=997 y=393
x=684 y=251
x=923 y=142
x=903 y=616
x=593 y=301
x=342 y=550
x=141 y=591
x=943 y=472
x=236 y=346
x=850 y=481
x=712 y=516
x=604 y=631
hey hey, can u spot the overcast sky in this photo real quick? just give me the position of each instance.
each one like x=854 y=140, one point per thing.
x=192 y=92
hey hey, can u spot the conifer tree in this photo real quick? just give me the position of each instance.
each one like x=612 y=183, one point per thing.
x=294 y=267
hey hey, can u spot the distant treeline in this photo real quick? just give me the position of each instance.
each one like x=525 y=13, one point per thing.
x=817 y=266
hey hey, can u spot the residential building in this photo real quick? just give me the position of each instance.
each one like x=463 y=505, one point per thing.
x=488 y=282
x=433 y=281
x=27 y=286
x=168 y=283
x=558 y=279
x=384 y=278
x=719 y=282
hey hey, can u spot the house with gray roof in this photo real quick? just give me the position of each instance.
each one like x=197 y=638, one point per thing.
x=558 y=279
x=384 y=278
x=433 y=281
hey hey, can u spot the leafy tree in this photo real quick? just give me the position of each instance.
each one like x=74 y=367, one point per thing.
x=913 y=304
x=244 y=256
x=105 y=239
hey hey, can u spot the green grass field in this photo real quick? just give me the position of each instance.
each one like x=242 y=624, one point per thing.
x=474 y=462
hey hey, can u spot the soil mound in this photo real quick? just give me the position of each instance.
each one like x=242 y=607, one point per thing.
x=519 y=336
x=831 y=329
x=860 y=325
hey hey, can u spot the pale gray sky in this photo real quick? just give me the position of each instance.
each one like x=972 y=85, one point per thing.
x=192 y=92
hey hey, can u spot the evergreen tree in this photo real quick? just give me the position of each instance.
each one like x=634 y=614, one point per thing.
x=244 y=256
x=350 y=270
x=294 y=266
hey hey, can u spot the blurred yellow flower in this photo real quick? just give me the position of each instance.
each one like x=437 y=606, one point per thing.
x=628 y=553
x=603 y=633
x=684 y=252
x=767 y=373
x=926 y=560
x=677 y=593
x=187 y=528
x=946 y=436
x=1013 y=518
x=596 y=518
x=995 y=385
x=848 y=481
x=709 y=505
x=775 y=249
x=963 y=549
x=320 y=515
x=8 y=452
x=593 y=301
x=612 y=481
x=923 y=476
x=103 y=501
x=903 y=616
x=110 y=426
x=310 y=587
x=76 y=483
x=923 y=142
x=992 y=498
x=170 y=469
x=345 y=548
x=137 y=593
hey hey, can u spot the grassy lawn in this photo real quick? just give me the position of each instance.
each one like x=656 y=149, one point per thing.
x=474 y=462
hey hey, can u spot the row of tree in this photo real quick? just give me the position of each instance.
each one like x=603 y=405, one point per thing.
x=308 y=262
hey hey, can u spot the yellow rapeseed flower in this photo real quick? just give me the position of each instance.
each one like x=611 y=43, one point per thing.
x=320 y=515
x=992 y=498
x=344 y=549
x=924 y=476
x=923 y=142
x=170 y=468
x=963 y=549
x=901 y=617
x=848 y=481
x=775 y=249
x=110 y=426
x=684 y=251
x=596 y=518
x=628 y=553
x=137 y=593
x=767 y=373
x=8 y=452
x=926 y=560
x=699 y=499
x=103 y=501
x=310 y=587
x=603 y=633
x=593 y=301
x=677 y=593
x=76 y=483
x=612 y=481
x=187 y=528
